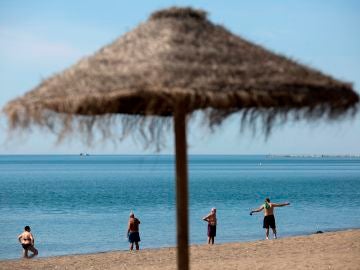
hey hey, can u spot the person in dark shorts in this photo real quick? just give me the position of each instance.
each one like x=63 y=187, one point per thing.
x=133 y=231
x=27 y=241
x=269 y=221
x=212 y=222
x=269 y=218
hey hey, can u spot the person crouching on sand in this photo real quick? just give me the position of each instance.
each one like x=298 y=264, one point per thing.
x=133 y=231
x=212 y=221
x=269 y=218
x=27 y=241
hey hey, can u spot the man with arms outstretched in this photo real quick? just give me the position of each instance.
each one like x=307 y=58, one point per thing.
x=269 y=218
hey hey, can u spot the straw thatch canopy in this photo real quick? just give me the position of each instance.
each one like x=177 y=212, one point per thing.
x=178 y=55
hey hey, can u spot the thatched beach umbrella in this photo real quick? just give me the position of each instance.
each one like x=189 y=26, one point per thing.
x=175 y=63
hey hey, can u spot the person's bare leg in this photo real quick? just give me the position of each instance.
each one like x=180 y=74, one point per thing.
x=131 y=246
x=25 y=253
x=212 y=240
x=274 y=232
x=267 y=233
x=34 y=251
x=209 y=239
x=137 y=245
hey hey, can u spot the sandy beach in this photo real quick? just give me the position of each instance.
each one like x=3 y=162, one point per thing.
x=334 y=250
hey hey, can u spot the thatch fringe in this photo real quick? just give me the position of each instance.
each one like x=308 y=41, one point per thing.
x=151 y=131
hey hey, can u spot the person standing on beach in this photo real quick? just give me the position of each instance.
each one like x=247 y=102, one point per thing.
x=269 y=218
x=133 y=231
x=27 y=241
x=212 y=221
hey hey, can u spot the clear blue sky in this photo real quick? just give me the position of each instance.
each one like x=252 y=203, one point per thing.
x=39 y=38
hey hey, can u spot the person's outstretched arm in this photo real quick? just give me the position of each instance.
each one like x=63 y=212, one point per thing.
x=280 y=204
x=257 y=210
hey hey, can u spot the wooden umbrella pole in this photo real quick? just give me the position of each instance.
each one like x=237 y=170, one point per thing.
x=181 y=190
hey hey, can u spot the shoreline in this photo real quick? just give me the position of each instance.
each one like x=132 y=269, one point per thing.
x=303 y=234
x=329 y=250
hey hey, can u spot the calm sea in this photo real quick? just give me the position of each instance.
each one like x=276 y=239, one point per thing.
x=80 y=204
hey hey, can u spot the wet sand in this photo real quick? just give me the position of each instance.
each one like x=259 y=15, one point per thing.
x=334 y=250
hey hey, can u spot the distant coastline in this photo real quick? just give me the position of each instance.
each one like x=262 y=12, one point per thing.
x=313 y=156
x=190 y=155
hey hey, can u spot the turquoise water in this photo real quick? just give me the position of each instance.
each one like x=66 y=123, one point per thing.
x=80 y=204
